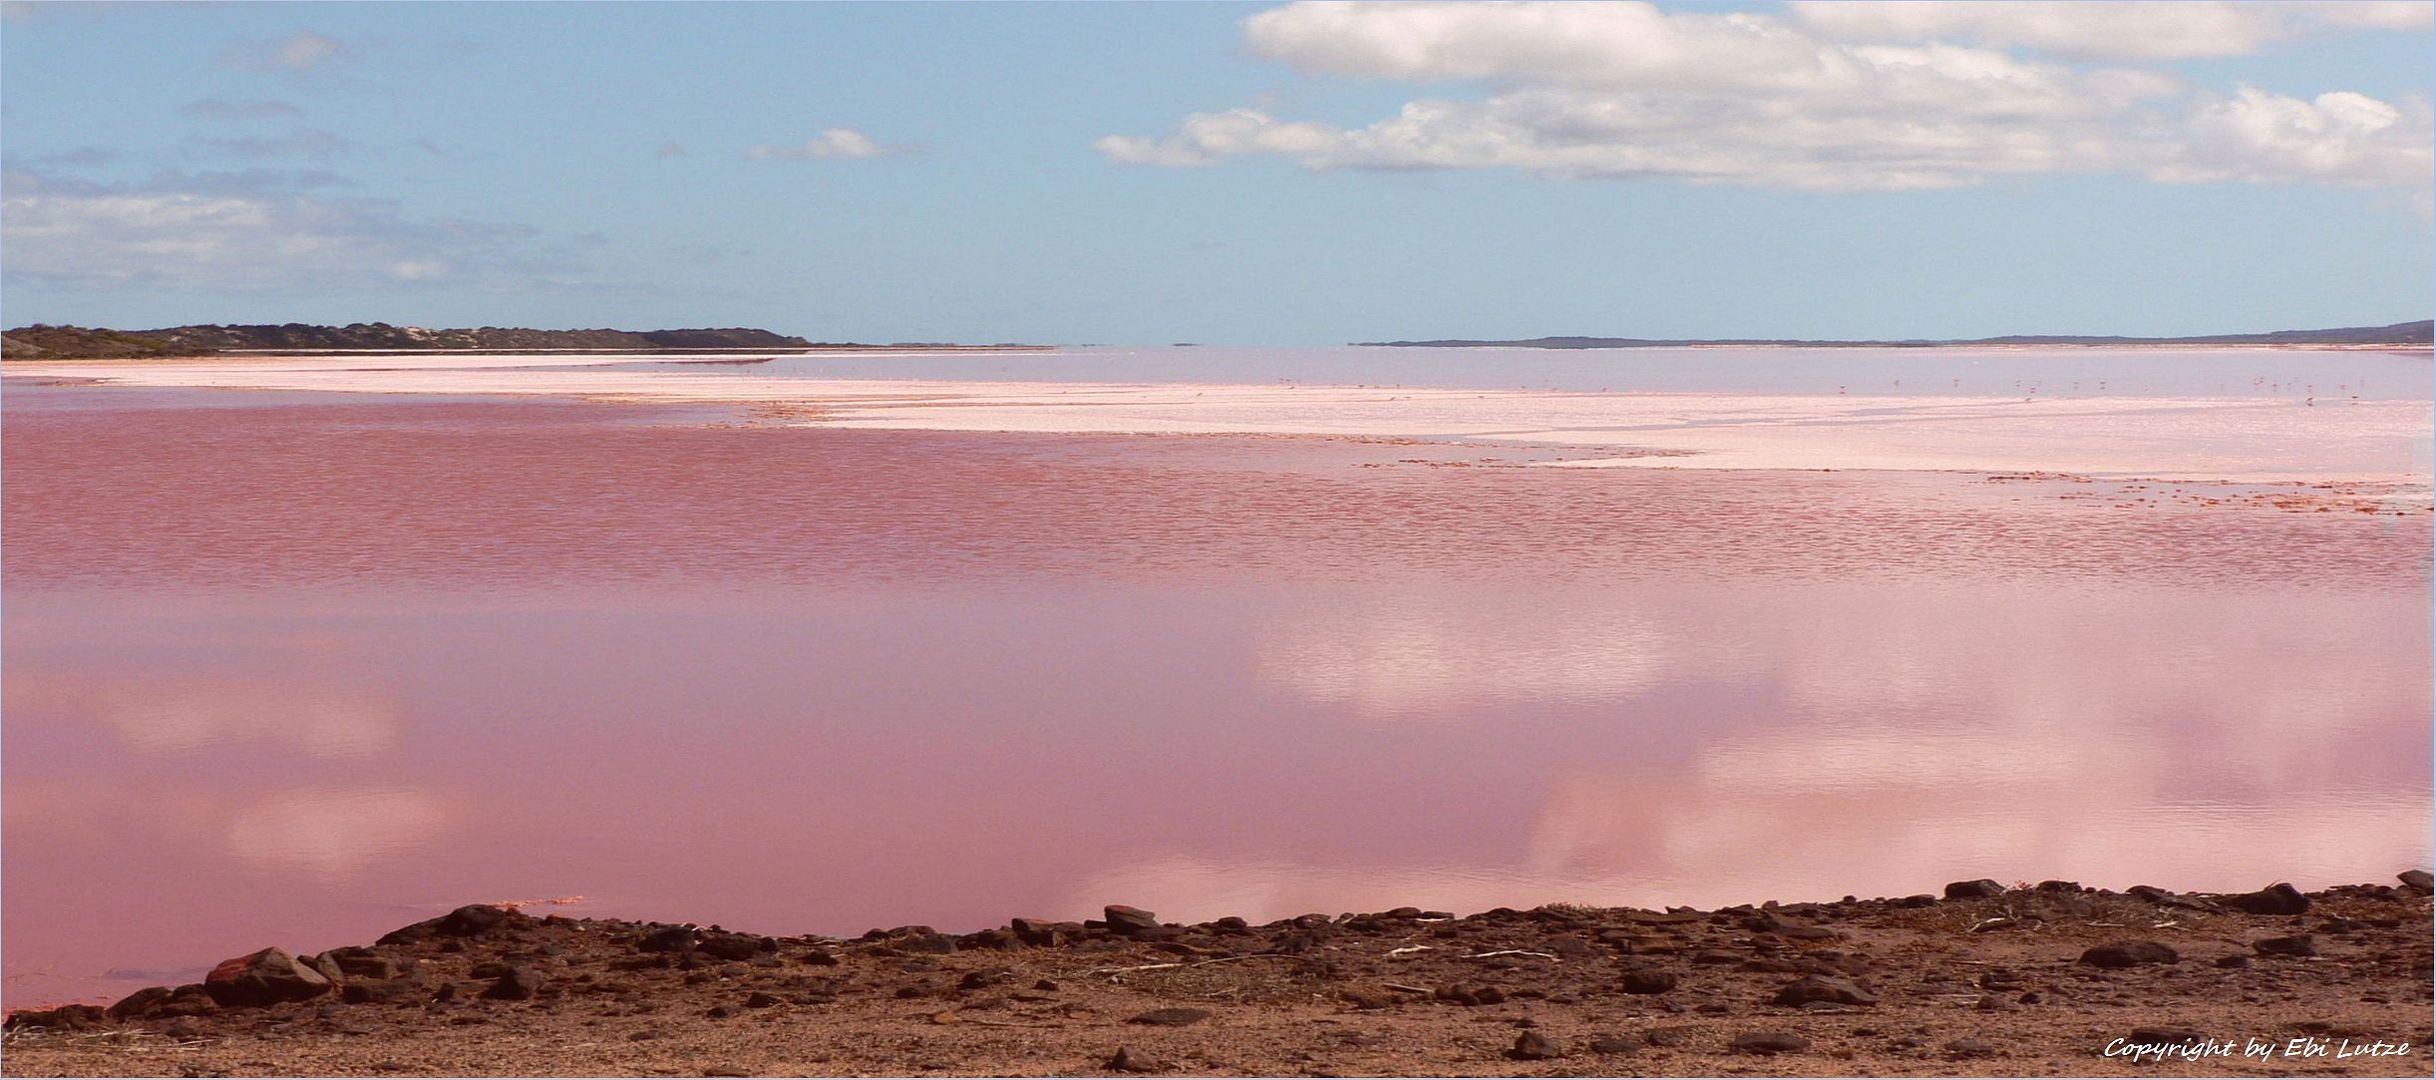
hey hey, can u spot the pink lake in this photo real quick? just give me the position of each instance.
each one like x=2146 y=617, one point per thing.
x=294 y=669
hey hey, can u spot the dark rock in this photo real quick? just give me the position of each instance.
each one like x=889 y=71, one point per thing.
x=1770 y=1042
x=1533 y=1046
x=472 y=920
x=2418 y=880
x=1974 y=890
x=2235 y=961
x=2125 y=954
x=725 y=946
x=1917 y=900
x=998 y=938
x=820 y=958
x=1716 y=956
x=1827 y=988
x=362 y=963
x=63 y=1018
x=2166 y=1034
x=2296 y=945
x=518 y=984
x=381 y=991
x=1129 y=1060
x=723 y=1012
x=2277 y=899
x=1648 y=981
x=1171 y=1017
x=1040 y=932
x=981 y=980
x=669 y=939
x=760 y=999
x=183 y=1013
x=328 y=968
x=1129 y=920
x=142 y=1002
x=264 y=978
x=931 y=942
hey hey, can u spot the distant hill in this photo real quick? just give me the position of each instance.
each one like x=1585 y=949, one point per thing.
x=66 y=342
x=2407 y=333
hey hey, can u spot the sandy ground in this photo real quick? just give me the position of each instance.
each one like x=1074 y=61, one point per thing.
x=2246 y=440
x=2003 y=984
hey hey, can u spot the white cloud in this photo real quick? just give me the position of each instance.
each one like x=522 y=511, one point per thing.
x=2339 y=137
x=836 y=142
x=1631 y=90
x=226 y=109
x=234 y=237
x=303 y=50
x=2118 y=29
x=302 y=142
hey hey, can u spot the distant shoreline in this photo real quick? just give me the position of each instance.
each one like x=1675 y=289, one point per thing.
x=2406 y=335
x=2402 y=347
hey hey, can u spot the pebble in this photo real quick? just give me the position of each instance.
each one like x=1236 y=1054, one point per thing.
x=517 y=984
x=1827 y=988
x=1128 y=1059
x=1533 y=1046
x=1770 y=1042
x=2295 y=945
x=2125 y=954
x=1171 y=1017
x=1648 y=981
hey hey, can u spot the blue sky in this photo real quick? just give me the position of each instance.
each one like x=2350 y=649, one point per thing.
x=1221 y=173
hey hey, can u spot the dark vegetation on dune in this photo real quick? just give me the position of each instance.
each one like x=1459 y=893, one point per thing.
x=42 y=342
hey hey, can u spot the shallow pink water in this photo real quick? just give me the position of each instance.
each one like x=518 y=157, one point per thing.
x=292 y=670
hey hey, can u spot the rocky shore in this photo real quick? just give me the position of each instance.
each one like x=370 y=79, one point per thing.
x=2053 y=978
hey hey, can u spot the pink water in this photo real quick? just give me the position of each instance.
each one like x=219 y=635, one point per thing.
x=294 y=670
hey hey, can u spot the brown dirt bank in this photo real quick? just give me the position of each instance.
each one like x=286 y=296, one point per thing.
x=1986 y=980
